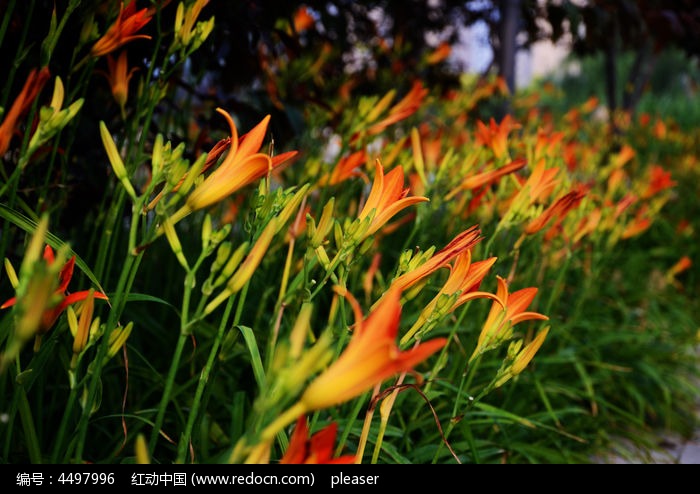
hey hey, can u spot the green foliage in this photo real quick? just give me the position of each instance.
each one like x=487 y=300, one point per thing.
x=402 y=236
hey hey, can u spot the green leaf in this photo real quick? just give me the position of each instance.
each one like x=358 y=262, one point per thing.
x=255 y=359
x=142 y=297
x=498 y=412
x=29 y=226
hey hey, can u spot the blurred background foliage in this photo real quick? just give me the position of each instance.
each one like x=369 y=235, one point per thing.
x=623 y=334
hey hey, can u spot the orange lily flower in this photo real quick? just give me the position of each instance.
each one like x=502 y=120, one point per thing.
x=242 y=165
x=303 y=19
x=588 y=224
x=536 y=188
x=31 y=89
x=638 y=225
x=683 y=264
x=660 y=130
x=123 y=30
x=495 y=135
x=499 y=323
x=386 y=198
x=557 y=209
x=624 y=204
x=439 y=54
x=659 y=180
x=347 y=167
x=488 y=177
x=541 y=182
x=317 y=450
x=464 y=241
x=546 y=143
x=464 y=279
x=212 y=157
x=119 y=77
x=400 y=111
x=371 y=356
x=625 y=154
x=49 y=316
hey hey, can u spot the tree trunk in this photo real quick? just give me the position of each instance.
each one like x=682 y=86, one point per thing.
x=508 y=45
x=611 y=75
x=510 y=21
x=638 y=77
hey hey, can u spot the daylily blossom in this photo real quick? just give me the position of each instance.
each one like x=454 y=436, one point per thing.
x=683 y=264
x=464 y=241
x=659 y=180
x=625 y=154
x=638 y=225
x=439 y=54
x=371 y=356
x=318 y=449
x=386 y=198
x=400 y=111
x=588 y=224
x=495 y=135
x=123 y=30
x=547 y=143
x=499 y=323
x=488 y=177
x=347 y=167
x=536 y=188
x=303 y=19
x=119 y=76
x=557 y=210
x=242 y=165
x=31 y=89
x=51 y=314
x=462 y=283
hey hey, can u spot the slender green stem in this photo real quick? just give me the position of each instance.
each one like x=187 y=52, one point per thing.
x=465 y=384
x=131 y=265
x=109 y=234
x=30 y=437
x=59 y=29
x=67 y=412
x=169 y=382
x=174 y=363
x=329 y=272
x=554 y=293
x=203 y=380
x=7 y=15
x=9 y=78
